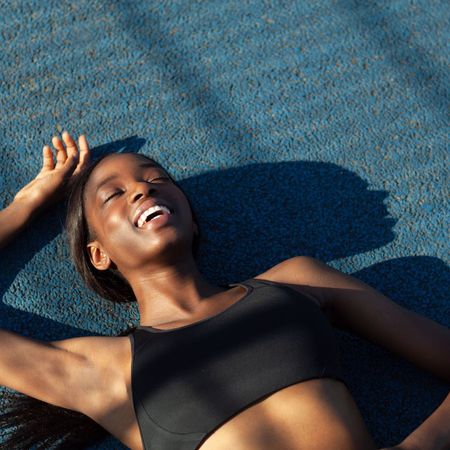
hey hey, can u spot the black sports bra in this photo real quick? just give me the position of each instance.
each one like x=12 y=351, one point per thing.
x=188 y=381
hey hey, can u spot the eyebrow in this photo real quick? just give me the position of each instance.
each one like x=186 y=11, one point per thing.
x=115 y=175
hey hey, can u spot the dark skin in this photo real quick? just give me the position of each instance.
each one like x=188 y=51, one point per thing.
x=164 y=276
x=47 y=187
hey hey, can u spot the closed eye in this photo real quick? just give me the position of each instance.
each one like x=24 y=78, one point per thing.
x=158 y=178
x=112 y=195
x=118 y=192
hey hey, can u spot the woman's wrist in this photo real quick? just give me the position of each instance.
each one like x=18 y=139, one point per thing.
x=29 y=201
x=434 y=432
x=423 y=442
x=24 y=210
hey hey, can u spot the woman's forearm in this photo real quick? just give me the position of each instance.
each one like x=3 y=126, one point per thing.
x=13 y=219
x=434 y=432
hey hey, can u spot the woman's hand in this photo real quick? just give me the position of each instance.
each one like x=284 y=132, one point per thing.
x=50 y=184
x=48 y=187
x=432 y=434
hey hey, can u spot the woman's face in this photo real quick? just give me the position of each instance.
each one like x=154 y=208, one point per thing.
x=117 y=198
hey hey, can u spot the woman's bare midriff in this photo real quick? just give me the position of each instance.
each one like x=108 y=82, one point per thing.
x=318 y=414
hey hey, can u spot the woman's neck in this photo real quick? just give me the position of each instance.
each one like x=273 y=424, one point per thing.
x=172 y=293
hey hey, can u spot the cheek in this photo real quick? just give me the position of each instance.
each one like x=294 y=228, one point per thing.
x=125 y=245
x=117 y=234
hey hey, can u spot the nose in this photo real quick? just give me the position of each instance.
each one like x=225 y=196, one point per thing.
x=140 y=189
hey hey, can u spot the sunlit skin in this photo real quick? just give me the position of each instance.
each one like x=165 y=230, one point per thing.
x=92 y=374
x=157 y=262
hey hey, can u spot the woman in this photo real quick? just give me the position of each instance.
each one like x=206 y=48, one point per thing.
x=247 y=366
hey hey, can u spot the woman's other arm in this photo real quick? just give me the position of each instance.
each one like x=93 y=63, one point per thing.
x=355 y=306
x=47 y=188
x=43 y=371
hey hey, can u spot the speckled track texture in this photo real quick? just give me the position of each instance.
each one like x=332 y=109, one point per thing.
x=296 y=128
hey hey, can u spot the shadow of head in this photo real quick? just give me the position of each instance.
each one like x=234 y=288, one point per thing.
x=260 y=214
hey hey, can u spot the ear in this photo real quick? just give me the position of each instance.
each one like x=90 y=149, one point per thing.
x=99 y=258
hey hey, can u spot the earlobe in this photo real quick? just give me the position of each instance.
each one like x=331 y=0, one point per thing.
x=99 y=259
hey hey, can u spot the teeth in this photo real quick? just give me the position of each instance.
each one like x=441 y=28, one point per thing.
x=147 y=212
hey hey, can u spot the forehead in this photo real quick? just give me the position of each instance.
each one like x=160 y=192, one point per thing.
x=116 y=164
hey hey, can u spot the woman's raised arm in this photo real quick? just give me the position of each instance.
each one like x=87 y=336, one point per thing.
x=40 y=369
x=48 y=186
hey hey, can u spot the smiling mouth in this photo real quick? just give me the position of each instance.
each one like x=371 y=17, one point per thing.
x=156 y=221
x=151 y=213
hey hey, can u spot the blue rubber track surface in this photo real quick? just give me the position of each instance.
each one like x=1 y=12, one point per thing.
x=296 y=128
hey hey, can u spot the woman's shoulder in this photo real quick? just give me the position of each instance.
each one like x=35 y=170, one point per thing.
x=296 y=273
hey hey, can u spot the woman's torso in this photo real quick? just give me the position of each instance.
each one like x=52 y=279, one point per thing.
x=318 y=413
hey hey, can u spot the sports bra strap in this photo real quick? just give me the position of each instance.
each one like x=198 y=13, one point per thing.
x=306 y=291
x=256 y=283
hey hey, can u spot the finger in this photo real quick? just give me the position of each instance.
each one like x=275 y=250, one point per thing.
x=85 y=153
x=61 y=154
x=72 y=149
x=47 y=158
